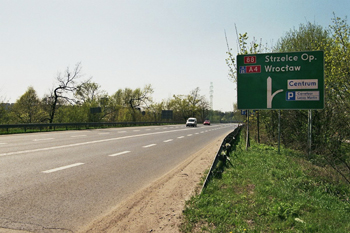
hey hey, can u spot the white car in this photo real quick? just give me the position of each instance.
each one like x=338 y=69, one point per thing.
x=191 y=122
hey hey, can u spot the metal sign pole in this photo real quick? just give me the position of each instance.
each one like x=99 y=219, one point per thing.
x=258 y=124
x=247 y=139
x=279 y=131
x=309 y=131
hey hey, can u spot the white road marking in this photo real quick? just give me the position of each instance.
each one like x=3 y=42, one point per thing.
x=181 y=137
x=102 y=133
x=42 y=139
x=3 y=143
x=122 y=132
x=169 y=140
x=120 y=153
x=62 y=168
x=189 y=135
x=136 y=130
x=78 y=136
x=150 y=145
x=86 y=143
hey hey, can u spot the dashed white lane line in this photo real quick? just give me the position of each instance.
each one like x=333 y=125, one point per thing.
x=136 y=130
x=84 y=143
x=150 y=145
x=169 y=140
x=122 y=132
x=181 y=137
x=102 y=133
x=120 y=153
x=189 y=135
x=41 y=139
x=62 y=168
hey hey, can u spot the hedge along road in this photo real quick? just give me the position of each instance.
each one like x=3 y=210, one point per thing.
x=61 y=181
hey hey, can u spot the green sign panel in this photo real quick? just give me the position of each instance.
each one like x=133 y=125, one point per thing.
x=292 y=80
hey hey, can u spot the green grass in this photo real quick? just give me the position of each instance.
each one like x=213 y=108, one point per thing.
x=269 y=192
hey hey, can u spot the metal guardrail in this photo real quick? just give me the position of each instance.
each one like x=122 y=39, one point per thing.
x=225 y=146
x=53 y=126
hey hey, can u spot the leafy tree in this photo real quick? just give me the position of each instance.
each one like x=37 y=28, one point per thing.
x=27 y=108
x=330 y=125
x=127 y=104
x=115 y=105
x=154 y=112
x=181 y=107
x=244 y=48
x=87 y=92
x=138 y=99
x=5 y=109
x=191 y=105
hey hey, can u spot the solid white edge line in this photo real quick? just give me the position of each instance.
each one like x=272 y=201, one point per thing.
x=120 y=153
x=62 y=168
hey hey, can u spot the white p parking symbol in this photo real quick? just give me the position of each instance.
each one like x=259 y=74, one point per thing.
x=290 y=95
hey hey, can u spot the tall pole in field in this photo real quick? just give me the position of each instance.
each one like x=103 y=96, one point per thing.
x=247 y=139
x=279 y=131
x=309 y=131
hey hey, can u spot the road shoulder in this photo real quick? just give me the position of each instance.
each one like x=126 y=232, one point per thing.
x=158 y=207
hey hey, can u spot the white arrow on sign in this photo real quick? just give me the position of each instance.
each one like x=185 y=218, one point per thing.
x=269 y=92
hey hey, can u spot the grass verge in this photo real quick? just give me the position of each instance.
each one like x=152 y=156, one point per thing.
x=269 y=192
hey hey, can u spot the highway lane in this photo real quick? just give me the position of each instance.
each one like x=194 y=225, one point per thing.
x=61 y=181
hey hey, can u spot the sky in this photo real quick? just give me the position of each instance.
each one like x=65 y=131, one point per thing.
x=173 y=45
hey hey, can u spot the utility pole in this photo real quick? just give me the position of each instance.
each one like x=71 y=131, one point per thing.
x=211 y=95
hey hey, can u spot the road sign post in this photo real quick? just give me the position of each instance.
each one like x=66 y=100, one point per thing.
x=293 y=80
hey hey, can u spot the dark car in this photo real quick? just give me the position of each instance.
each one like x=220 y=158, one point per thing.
x=206 y=122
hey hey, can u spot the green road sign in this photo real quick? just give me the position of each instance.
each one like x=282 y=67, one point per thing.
x=292 y=80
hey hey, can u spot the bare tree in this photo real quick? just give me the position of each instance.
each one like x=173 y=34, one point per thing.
x=63 y=93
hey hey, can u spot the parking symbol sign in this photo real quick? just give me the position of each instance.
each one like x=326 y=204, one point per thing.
x=290 y=95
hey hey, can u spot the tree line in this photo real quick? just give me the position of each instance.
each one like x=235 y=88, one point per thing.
x=331 y=125
x=73 y=100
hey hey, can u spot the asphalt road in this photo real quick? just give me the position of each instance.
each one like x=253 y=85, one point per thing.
x=61 y=181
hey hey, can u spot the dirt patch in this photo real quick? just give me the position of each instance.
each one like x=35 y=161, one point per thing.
x=158 y=208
